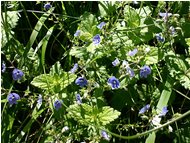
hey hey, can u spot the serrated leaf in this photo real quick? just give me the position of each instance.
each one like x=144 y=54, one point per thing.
x=85 y=114
x=153 y=56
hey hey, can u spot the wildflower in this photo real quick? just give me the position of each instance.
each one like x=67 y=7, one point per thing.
x=78 y=98
x=12 y=98
x=3 y=67
x=165 y=15
x=66 y=128
x=47 y=6
x=74 y=69
x=39 y=101
x=96 y=39
x=164 y=111
x=132 y=53
x=17 y=74
x=130 y=72
x=172 y=30
x=125 y=64
x=57 y=104
x=77 y=33
x=101 y=25
x=81 y=81
x=145 y=71
x=159 y=37
x=115 y=62
x=105 y=135
x=156 y=120
x=144 y=109
x=113 y=82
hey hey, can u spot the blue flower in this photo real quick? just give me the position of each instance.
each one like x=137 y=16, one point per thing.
x=130 y=72
x=39 y=101
x=105 y=135
x=74 y=69
x=165 y=15
x=145 y=71
x=115 y=62
x=81 y=81
x=164 y=111
x=17 y=74
x=144 y=109
x=101 y=25
x=172 y=30
x=12 y=98
x=113 y=82
x=47 y=6
x=77 y=33
x=132 y=53
x=159 y=37
x=78 y=98
x=96 y=39
x=57 y=104
x=3 y=67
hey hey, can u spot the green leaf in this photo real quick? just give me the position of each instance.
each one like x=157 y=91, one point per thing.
x=151 y=138
x=131 y=16
x=86 y=114
x=153 y=56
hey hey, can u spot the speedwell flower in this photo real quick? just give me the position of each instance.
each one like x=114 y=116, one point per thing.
x=57 y=104
x=96 y=39
x=74 y=69
x=101 y=25
x=17 y=74
x=105 y=135
x=159 y=37
x=12 y=98
x=81 y=81
x=145 y=71
x=165 y=15
x=130 y=71
x=133 y=52
x=144 y=109
x=78 y=98
x=115 y=62
x=164 y=111
x=77 y=33
x=113 y=82
x=3 y=67
x=47 y=6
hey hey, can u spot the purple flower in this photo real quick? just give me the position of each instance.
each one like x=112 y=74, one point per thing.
x=47 y=6
x=145 y=71
x=96 y=39
x=113 y=82
x=78 y=98
x=81 y=81
x=17 y=74
x=74 y=69
x=164 y=111
x=57 y=104
x=159 y=37
x=132 y=53
x=115 y=62
x=130 y=72
x=105 y=135
x=101 y=25
x=12 y=98
x=77 y=33
x=144 y=109
x=165 y=15
x=3 y=67
x=172 y=30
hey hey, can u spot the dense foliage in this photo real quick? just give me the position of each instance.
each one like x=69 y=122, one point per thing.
x=113 y=71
